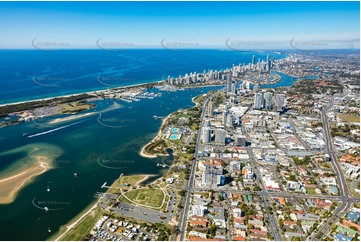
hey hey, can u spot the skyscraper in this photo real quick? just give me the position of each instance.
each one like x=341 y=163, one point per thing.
x=206 y=134
x=247 y=85
x=256 y=88
x=268 y=100
x=229 y=83
x=229 y=121
x=241 y=140
x=233 y=88
x=267 y=63
x=220 y=136
x=253 y=60
x=280 y=102
x=258 y=100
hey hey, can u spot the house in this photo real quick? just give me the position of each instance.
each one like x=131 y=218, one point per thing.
x=321 y=203
x=198 y=221
x=239 y=238
x=257 y=234
x=353 y=216
x=219 y=219
x=289 y=223
x=342 y=237
x=350 y=224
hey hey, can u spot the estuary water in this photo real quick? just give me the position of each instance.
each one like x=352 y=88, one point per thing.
x=97 y=148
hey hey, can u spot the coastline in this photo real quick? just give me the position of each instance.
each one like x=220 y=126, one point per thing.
x=65 y=229
x=72 y=117
x=75 y=221
x=142 y=152
x=80 y=93
x=11 y=186
x=93 y=206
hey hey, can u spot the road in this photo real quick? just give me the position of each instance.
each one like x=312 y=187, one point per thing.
x=184 y=213
x=346 y=199
x=139 y=212
x=264 y=195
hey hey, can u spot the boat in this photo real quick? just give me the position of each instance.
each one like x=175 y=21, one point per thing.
x=75 y=174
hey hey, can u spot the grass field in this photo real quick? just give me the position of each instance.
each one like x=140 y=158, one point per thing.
x=75 y=107
x=132 y=180
x=83 y=228
x=157 y=147
x=152 y=197
x=311 y=191
x=349 y=118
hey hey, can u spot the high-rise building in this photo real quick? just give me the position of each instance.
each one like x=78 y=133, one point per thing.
x=209 y=109
x=268 y=100
x=256 y=88
x=253 y=60
x=208 y=123
x=198 y=210
x=233 y=88
x=268 y=66
x=258 y=100
x=220 y=136
x=229 y=83
x=280 y=102
x=220 y=180
x=206 y=134
x=241 y=140
x=224 y=117
x=229 y=121
x=235 y=166
x=248 y=85
x=206 y=178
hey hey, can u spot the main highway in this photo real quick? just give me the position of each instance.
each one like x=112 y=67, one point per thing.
x=189 y=187
x=346 y=199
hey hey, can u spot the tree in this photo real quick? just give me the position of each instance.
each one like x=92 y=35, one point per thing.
x=182 y=193
x=212 y=230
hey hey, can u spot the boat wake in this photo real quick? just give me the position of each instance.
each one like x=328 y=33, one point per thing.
x=52 y=130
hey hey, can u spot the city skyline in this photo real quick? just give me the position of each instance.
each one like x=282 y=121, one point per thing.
x=171 y=25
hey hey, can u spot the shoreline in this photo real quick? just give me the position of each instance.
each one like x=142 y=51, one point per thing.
x=143 y=153
x=86 y=211
x=75 y=221
x=25 y=176
x=72 y=117
x=109 y=88
x=80 y=93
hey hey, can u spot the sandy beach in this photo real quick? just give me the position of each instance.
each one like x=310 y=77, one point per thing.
x=73 y=224
x=80 y=93
x=157 y=137
x=146 y=177
x=10 y=186
x=72 y=117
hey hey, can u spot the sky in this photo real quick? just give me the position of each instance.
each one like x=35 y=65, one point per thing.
x=237 y=25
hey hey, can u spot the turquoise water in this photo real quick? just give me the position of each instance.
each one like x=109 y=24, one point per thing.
x=94 y=150
x=98 y=148
x=173 y=136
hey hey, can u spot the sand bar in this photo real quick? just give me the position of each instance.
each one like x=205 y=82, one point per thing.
x=10 y=186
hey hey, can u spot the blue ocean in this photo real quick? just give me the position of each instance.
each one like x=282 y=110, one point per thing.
x=79 y=144
x=34 y=74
